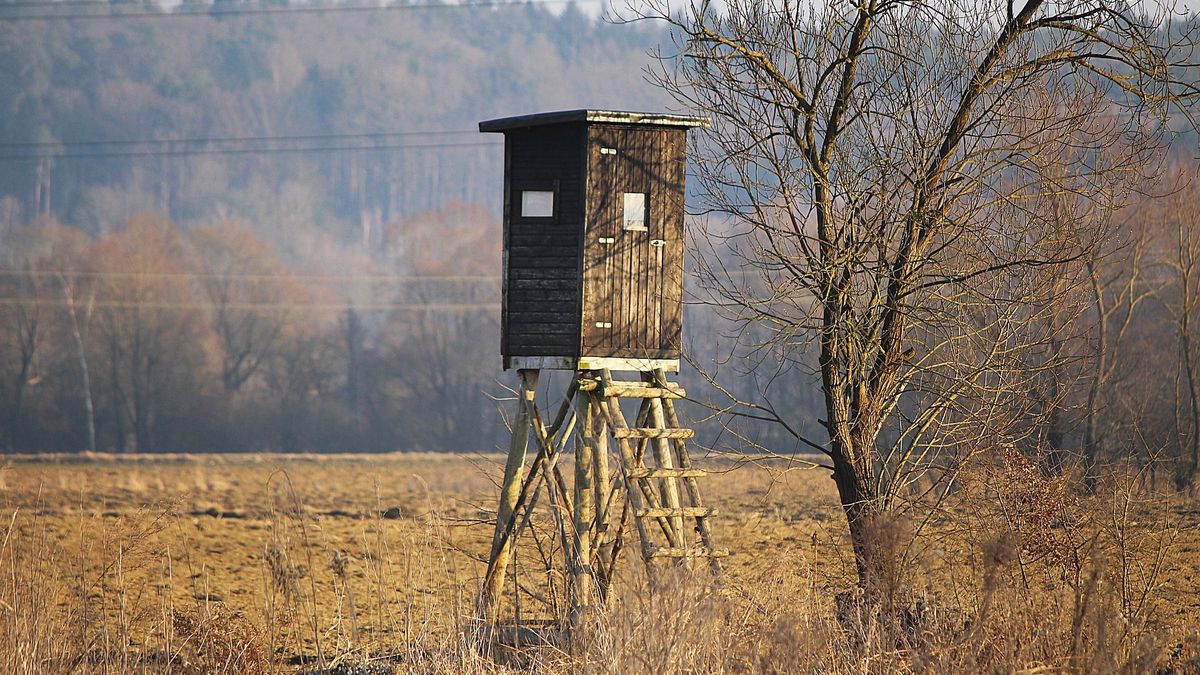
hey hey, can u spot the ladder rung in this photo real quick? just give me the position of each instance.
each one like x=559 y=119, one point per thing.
x=632 y=389
x=673 y=552
x=667 y=473
x=653 y=433
x=642 y=391
x=686 y=511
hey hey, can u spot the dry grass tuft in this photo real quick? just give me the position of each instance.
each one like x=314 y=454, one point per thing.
x=213 y=639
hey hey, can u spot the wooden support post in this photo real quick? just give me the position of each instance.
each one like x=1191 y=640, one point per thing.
x=584 y=507
x=689 y=482
x=662 y=456
x=604 y=495
x=510 y=491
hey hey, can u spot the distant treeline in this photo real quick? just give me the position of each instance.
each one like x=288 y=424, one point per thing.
x=334 y=123
x=151 y=338
x=252 y=231
x=245 y=282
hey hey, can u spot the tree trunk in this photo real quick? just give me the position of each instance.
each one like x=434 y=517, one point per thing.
x=860 y=499
x=85 y=380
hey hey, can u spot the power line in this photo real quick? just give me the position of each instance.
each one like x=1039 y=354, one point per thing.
x=263 y=306
x=235 y=139
x=253 y=277
x=168 y=152
x=258 y=11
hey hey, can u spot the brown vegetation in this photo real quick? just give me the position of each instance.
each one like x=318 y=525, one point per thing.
x=256 y=563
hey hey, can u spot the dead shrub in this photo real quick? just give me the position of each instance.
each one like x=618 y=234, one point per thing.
x=214 y=639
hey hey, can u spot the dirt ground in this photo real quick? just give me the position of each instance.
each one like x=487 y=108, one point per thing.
x=357 y=556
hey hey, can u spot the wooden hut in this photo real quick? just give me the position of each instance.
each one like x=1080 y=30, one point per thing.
x=593 y=283
x=593 y=239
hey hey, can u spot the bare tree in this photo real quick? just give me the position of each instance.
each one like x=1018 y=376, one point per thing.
x=253 y=297
x=148 y=331
x=1118 y=287
x=1180 y=297
x=22 y=337
x=887 y=169
x=78 y=293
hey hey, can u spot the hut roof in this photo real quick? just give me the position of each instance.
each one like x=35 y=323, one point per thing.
x=592 y=116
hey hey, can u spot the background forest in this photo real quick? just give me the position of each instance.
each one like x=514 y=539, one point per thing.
x=273 y=231
x=259 y=228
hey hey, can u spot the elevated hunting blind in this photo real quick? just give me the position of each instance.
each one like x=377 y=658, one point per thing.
x=593 y=283
x=593 y=239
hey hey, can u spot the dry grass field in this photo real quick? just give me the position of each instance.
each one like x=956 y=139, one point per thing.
x=370 y=564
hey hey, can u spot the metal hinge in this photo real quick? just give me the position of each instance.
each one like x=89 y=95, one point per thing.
x=608 y=151
x=608 y=240
x=658 y=242
x=603 y=324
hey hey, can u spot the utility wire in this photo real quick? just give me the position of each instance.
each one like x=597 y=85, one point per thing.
x=253 y=277
x=258 y=11
x=168 y=152
x=236 y=139
x=261 y=306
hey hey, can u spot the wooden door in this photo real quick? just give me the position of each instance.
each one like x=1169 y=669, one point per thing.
x=631 y=298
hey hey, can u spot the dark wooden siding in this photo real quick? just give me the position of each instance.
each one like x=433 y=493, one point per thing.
x=543 y=279
x=634 y=281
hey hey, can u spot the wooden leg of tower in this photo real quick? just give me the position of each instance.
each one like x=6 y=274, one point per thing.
x=584 y=507
x=510 y=490
x=603 y=491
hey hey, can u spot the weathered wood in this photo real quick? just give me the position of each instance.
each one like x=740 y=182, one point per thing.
x=685 y=462
x=604 y=495
x=543 y=284
x=510 y=490
x=543 y=249
x=662 y=456
x=620 y=287
x=654 y=433
x=518 y=273
x=544 y=462
x=632 y=389
x=523 y=635
x=639 y=492
x=553 y=329
x=633 y=492
x=665 y=473
x=541 y=237
x=683 y=511
x=680 y=552
x=585 y=508
x=637 y=286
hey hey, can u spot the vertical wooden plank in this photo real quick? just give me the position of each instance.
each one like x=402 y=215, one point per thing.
x=662 y=202
x=590 y=251
x=643 y=183
x=615 y=249
x=604 y=213
x=628 y=239
x=583 y=161
x=673 y=223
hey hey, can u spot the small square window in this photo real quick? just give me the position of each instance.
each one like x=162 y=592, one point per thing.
x=537 y=203
x=635 y=210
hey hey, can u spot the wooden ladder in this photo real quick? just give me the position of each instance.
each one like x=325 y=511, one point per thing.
x=652 y=479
